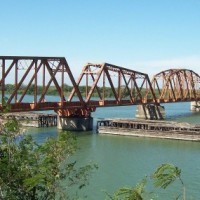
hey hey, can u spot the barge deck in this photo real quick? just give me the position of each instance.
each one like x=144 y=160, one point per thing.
x=32 y=119
x=150 y=128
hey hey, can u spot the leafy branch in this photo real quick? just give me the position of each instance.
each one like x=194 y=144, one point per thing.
x=164 y=176
x=37 y=171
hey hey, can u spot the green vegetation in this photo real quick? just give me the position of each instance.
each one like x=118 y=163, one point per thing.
x=9 y=88
x=38 y=171
x=31 y=171
x=163 y=177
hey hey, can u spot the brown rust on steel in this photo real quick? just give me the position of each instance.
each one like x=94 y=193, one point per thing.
x=20 y=83
x=77 y=83
x=126 y=83
x=111 y=84
x=16 y=79
x=54 y=79
x=177 y=85
x=29 y=84
x=7 y=71
x=121 y=72
x=73 y=82
x=50 y=81
x=13 y=61
x=99 y=93
x=95 y=83
x=35 y=85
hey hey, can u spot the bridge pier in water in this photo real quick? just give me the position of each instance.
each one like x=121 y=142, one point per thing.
x=150 y=111
x=195 y=106
x=75 y=123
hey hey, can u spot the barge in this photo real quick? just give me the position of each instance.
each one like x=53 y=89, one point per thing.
x=32 y=119
x=150 y=128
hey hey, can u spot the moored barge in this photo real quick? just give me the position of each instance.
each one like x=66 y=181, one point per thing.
x=32 y=119
x=150 y=128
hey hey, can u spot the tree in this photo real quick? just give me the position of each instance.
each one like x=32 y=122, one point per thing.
x=126 y=193
x=31 y=171
x=163 y=177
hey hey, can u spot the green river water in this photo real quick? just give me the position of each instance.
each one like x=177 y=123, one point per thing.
x=125 y=160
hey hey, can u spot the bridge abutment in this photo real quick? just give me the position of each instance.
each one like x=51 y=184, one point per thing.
x=195 y=106
x=75 y=123
x=150 y=111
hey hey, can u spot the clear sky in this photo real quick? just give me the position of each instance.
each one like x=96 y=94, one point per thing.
x=144 y=35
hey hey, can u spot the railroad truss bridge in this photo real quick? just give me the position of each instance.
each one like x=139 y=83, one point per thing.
x=99 y=85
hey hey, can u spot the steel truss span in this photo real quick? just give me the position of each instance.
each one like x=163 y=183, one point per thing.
x=27 y=73
x=99 y=85
x=176 y=85
x=111 y=85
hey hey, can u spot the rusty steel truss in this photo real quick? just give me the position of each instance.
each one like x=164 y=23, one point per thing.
x=34 y=71
x=111 y=85
x=98 y=85
x=176 y=85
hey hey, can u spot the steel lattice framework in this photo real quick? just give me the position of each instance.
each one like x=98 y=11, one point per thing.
x=34 y=71
x=99 y=85
x=126 y=86
x=176 y=85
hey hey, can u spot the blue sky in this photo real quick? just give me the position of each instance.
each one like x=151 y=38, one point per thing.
x=144 y=35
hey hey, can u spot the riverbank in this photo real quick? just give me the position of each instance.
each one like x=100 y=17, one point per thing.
x=150 y=129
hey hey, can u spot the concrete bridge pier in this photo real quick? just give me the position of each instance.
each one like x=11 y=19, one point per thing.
x=195 y=106
x=150 y=111
x=75 y=123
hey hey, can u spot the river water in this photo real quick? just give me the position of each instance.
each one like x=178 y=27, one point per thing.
x=125 y=160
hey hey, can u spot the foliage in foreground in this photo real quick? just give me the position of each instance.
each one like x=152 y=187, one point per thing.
x=163 y=177
x=31 y=171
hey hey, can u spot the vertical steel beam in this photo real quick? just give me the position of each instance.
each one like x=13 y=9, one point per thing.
x=172 y=89
x=43 y=79
x=151 y=89
x=35 y=85
x=95 y=83
x=119 y=85
x=111 y=84
x=8 y=70
x=138 y=90
x=30 y=82
x=86 y=89
x=16 y=79
x=132 y=89
x=104 y=86
x=126 y=84
x=62 y=85
x=193 y=86
x=3 y=81
x=52 y=74
x=186 y=83
x=180 y=85
x=97 y=88
x=20 y=83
